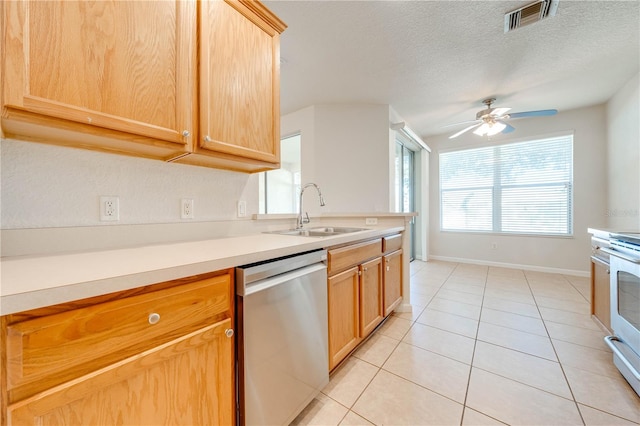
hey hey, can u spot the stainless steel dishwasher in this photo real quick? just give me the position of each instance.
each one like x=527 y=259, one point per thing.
x=283 y=337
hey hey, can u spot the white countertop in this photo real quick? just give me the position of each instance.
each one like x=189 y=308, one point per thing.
x=29 y=282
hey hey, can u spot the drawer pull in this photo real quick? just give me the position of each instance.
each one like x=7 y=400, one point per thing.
x=228 y=332
x=154 y=318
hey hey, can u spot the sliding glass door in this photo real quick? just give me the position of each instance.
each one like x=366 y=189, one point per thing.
x=405 y=186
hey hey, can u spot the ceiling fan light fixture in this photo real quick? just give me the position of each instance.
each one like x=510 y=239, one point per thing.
x=490 y=128
x=491 y=121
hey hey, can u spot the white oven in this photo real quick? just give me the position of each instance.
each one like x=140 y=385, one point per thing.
x=625 y=306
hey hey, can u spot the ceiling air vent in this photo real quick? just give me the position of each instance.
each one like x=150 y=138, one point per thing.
x=529 y=14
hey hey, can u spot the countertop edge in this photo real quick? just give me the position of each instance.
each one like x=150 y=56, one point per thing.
x=34 y=282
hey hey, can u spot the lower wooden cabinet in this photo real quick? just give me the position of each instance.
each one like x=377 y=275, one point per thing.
x=601 y=292
x=371 y=312
x=392 y=281
x=163 y=354
x=359 y=295
x=176 y=383
x=344 y=314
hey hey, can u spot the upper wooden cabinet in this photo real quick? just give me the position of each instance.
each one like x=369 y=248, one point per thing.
x=123 y=77
x=240 y=63
x=112 y=76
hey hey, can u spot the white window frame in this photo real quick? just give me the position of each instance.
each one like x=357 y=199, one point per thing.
x=288 y=192
x=496 y=187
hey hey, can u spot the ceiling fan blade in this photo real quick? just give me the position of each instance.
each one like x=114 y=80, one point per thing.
x=461 y=122
x=509 y=127
x=499 y=111
x=464 y=130
x=541 y=113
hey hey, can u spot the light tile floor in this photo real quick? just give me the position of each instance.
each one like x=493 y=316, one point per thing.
x=482 y=346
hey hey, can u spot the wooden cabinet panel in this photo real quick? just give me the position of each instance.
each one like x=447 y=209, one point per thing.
x=123 y=77
x=123 y=66
x=391 y=243
x=344 y=336
x=345 y=257
x=46 y=351
x=392 y=281
x=239 y=77
x=601 y=292
x=176 y=383
x=371 y=309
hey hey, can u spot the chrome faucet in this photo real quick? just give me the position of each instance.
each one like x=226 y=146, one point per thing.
x=303 y=220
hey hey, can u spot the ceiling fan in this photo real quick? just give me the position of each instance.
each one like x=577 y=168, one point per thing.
x=491 y=121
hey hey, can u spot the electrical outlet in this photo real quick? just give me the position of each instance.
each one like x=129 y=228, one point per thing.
x=242 y=208
x=186 y=208
x=494 y=246
x=109 y=209
x=371 y=221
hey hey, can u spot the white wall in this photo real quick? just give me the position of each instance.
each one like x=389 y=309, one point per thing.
x=302 y=122
x=563 y=254
x=345 y=150
x=50 y=186
x=623 y=153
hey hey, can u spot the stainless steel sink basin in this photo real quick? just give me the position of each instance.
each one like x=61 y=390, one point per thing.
x=318 y=232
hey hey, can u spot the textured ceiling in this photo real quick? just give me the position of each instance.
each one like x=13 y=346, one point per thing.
x=434 y=61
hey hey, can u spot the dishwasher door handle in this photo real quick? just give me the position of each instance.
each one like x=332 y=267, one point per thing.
x=281 y=279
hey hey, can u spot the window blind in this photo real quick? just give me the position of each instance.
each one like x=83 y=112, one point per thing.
x=521 y=188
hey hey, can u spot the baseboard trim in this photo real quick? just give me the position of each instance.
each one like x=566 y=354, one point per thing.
x=535 y=268
x=404 y=307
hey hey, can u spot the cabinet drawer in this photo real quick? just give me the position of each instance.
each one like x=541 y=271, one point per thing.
x=72 y=343
x=391 y=243
x=342 y=258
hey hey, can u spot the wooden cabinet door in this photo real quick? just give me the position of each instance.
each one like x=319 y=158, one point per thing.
x=239 y=80
x=371 y=309
x=187 y=381
x=127 y=66
x=344 y=330
x=601 y=292
x=392 y=281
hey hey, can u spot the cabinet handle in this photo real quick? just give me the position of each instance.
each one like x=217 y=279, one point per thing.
x=186 y=133
x=388 y=268
x=154 y=318
x=359 y=273
x=228 y=332
x=366 y=269
x=207 y=138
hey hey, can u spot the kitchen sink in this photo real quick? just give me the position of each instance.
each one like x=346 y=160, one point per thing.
x=324 y=231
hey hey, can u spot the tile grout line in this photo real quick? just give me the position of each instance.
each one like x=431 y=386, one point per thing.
x=473 y=354
x=564 y=374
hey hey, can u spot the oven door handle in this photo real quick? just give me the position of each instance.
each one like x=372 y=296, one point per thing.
x=620 y=255
x=609 y=341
